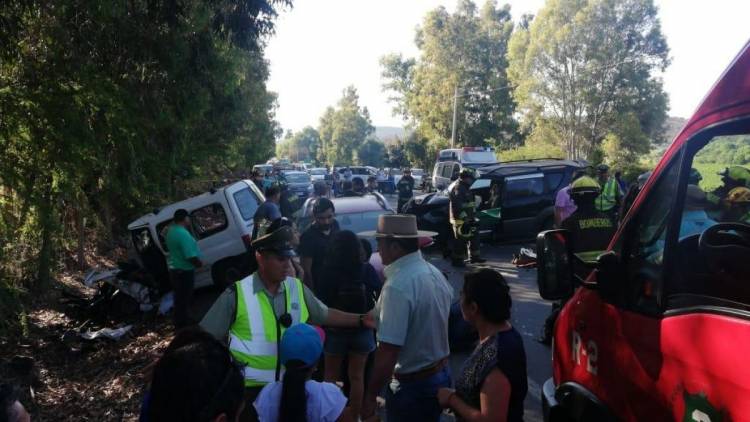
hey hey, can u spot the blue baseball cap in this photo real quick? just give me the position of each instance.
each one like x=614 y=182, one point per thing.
x=301 y=342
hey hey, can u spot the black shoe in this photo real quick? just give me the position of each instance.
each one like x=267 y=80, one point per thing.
x=458 y=263
x=477 y=260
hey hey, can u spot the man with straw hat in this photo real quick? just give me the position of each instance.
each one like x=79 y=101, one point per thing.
x=412 y=321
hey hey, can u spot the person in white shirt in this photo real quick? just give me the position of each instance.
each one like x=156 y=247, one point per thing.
x=297 y=397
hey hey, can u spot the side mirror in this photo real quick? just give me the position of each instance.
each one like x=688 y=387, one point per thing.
x=554 y=274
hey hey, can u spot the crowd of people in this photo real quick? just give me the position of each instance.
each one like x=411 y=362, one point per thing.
x=315 y=315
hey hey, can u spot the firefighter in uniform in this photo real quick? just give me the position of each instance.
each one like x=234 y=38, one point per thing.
x=732 y=177
x=463 y=220
x=588 y=230
x=252 y=314
x=610 y=196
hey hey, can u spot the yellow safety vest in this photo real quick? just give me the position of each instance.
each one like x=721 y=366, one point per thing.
x=608 y=198
x=252 y=336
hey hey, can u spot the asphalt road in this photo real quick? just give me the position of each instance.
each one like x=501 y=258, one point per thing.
x=527 y=315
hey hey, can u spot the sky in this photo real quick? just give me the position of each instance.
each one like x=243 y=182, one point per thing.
x=322 y=46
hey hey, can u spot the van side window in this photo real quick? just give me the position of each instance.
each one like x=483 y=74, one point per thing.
x=208 y=220
x=645 y=260
x=447 y=170
x=247 y=203
x=717 y=192
x=456 y=171
x=524 y=187
x=554 y=180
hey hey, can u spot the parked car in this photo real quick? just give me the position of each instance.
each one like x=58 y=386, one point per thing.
x=657 y=326
x=524 y=191
x=318 y=173
x=358 y=172
x=298 y=182
x=450 y=162
x=264 y=168
x=222 y=223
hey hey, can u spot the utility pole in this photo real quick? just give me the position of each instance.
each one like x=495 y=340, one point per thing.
x=455 y=107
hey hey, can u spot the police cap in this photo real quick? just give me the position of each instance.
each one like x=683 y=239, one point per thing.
x=278 y=241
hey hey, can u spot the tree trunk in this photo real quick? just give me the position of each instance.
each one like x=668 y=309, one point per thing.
x=47 y=227
x=81 y=224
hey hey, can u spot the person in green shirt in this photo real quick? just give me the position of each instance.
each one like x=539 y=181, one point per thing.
x=184 y=258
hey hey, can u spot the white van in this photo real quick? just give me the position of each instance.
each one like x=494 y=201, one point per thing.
x=450 y=162
x=222 y=222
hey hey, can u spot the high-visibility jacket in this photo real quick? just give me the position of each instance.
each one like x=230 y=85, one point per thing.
x=609 y=196
x=253 y=337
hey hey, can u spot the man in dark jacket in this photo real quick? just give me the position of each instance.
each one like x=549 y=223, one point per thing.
x=463 y=220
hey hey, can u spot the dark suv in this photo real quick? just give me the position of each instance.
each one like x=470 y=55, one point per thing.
x=523 y=191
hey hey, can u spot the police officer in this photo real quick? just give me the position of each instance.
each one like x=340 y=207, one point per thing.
x=588 y=230
x=405 y=189
x=463 y=220
x=608 y=201
x=252 y=314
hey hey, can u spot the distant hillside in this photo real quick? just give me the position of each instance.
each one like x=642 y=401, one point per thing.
x=385 y=133
x=672 y=127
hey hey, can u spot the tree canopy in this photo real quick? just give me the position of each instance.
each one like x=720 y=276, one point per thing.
x=300 y=146
x=464 y=52
x=586 y=72
x=113 y=107
x=343 y=129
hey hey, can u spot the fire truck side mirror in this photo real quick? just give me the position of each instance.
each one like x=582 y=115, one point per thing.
x=554 y=265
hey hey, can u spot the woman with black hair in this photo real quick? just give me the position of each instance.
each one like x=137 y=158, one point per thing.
x=297 y=398
x=195 y=380
x=492 y=384
x=344 y=287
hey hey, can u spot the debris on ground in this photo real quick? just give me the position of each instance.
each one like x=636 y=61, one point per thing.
x=64 y=377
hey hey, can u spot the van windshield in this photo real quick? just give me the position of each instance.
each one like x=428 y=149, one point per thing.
x=478 y=157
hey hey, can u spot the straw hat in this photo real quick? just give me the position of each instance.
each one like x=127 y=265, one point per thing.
x=401 y=226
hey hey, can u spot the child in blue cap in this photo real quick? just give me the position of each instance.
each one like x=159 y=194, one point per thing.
x=297 y=398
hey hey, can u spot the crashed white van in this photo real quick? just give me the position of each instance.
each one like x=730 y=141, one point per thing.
x=222 y=223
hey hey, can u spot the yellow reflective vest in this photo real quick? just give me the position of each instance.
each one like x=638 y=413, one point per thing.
x=253 y=337
x=609 y=196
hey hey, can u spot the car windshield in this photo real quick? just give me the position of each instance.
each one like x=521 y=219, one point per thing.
x=318 y=172
x=297 y=178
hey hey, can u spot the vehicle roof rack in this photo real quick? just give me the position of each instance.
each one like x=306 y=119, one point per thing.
x=531 y=160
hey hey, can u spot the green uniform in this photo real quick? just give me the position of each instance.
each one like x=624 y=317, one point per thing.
x=609 y=198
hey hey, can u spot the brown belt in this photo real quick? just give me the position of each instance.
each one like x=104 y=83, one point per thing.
x=423 y=373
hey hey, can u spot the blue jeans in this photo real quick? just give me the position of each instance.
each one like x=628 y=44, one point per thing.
x=416 y=400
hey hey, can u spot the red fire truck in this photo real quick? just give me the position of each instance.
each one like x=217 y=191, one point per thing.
x=657 y=327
